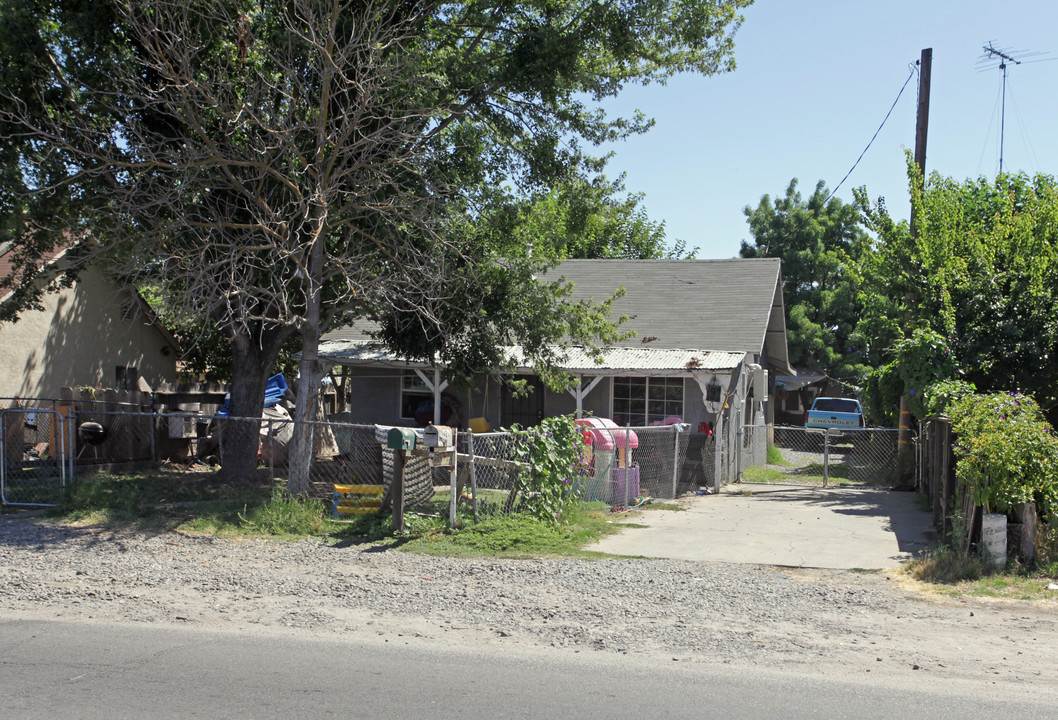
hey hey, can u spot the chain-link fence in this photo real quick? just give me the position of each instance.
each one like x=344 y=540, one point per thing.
x=350 y=463
x=35 y=452
x=620 y=467
x=798 y=456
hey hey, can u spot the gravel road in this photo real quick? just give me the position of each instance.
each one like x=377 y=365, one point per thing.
x=690 y=612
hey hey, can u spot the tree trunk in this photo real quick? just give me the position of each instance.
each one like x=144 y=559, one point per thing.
x=252 y=362
x=310 y=373
x=302 y=444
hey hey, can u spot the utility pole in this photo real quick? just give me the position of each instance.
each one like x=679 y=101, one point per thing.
x=922 y=120
x=921 y=128
x=925 y=66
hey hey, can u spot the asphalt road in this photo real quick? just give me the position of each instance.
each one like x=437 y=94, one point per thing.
x=51 y=669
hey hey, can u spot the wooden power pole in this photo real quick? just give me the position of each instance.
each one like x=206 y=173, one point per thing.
x=921 y=127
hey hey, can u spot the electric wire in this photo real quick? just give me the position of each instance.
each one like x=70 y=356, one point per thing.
x=914 y=69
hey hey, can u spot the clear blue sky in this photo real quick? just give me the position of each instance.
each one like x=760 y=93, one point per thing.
x=814 y=80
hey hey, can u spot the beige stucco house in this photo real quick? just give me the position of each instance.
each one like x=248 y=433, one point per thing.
x=95 y=333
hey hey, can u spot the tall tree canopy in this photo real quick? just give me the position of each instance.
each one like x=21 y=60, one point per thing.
x=980 y=276
x=275 y=167
x=817 y=239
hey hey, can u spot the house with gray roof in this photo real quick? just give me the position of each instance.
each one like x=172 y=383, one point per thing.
x=708 y=336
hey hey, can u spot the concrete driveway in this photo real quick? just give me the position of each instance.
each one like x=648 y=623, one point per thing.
x=792 y=526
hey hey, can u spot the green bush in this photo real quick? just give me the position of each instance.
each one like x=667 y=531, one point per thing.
x=554 y=453
x=941 y=396
x=1007 y=452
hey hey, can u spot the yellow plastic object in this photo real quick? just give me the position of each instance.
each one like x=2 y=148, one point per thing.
x=479 y=425
x=357 y=499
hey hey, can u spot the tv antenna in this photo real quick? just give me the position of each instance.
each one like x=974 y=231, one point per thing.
x=1005 y=56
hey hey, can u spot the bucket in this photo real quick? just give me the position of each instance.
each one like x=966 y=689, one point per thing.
x=994 y=538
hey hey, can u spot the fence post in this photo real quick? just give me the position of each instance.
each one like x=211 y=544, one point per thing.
x=472 y=470
x=272 y=453
x=71 y=434
x=826 y=457
x=676 y=431
x=453 y=482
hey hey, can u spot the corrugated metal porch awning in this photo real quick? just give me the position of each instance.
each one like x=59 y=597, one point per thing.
x=577 y=360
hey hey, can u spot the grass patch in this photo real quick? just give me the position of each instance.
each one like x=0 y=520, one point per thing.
x=196 y=503
x=671 y=507
x=956 y=574
x=774 y=476
x=775 y=457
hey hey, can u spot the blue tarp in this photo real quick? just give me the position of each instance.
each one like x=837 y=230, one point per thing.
x=274 y=392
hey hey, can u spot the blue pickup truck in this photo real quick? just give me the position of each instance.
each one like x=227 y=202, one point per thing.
x=834 y=414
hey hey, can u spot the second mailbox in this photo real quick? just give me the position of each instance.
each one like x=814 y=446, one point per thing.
x=438 y=436
x=400 y=439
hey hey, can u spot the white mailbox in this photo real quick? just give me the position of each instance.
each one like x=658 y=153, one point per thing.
x=438 y=436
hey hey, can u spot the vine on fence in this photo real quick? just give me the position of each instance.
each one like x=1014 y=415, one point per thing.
x=554 y=454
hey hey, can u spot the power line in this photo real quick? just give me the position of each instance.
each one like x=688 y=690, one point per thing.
x=910 y=75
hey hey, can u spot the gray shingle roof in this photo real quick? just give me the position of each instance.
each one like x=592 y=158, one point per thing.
x=725 y=306
x=721 y=305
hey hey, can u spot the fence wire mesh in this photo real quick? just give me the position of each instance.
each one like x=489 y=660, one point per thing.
x=34 y=449
x=621 y=466
x=797 y=456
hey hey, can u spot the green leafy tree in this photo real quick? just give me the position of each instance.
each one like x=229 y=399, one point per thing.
x=579 y=219
x=982 y=273
x=279 y=167
x=817 y=239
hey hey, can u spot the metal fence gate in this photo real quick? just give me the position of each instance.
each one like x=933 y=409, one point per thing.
x=860 y=457
x=35 y=452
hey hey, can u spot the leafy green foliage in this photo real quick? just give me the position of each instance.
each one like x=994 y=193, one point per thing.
x=919 y=362
x=554 y=454
x=943 y=394
x=577 y=219
x=818 y=241
x=1007 y=452
x=982 y=272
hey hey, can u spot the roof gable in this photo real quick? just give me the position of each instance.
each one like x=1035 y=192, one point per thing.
x=726 y=305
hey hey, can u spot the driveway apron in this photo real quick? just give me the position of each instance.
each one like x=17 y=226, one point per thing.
x=784 y=525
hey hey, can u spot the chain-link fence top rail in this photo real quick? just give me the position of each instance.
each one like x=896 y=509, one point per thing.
x=663 y=462
x=854 y=457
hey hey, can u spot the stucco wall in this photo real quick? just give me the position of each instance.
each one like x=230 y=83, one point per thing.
x=79 y=339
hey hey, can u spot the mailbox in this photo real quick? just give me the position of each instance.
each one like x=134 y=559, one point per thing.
x=400 y=439
x=438 y=436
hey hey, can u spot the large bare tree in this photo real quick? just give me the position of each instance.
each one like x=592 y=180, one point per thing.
x=273 y=165
x=267 y=175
